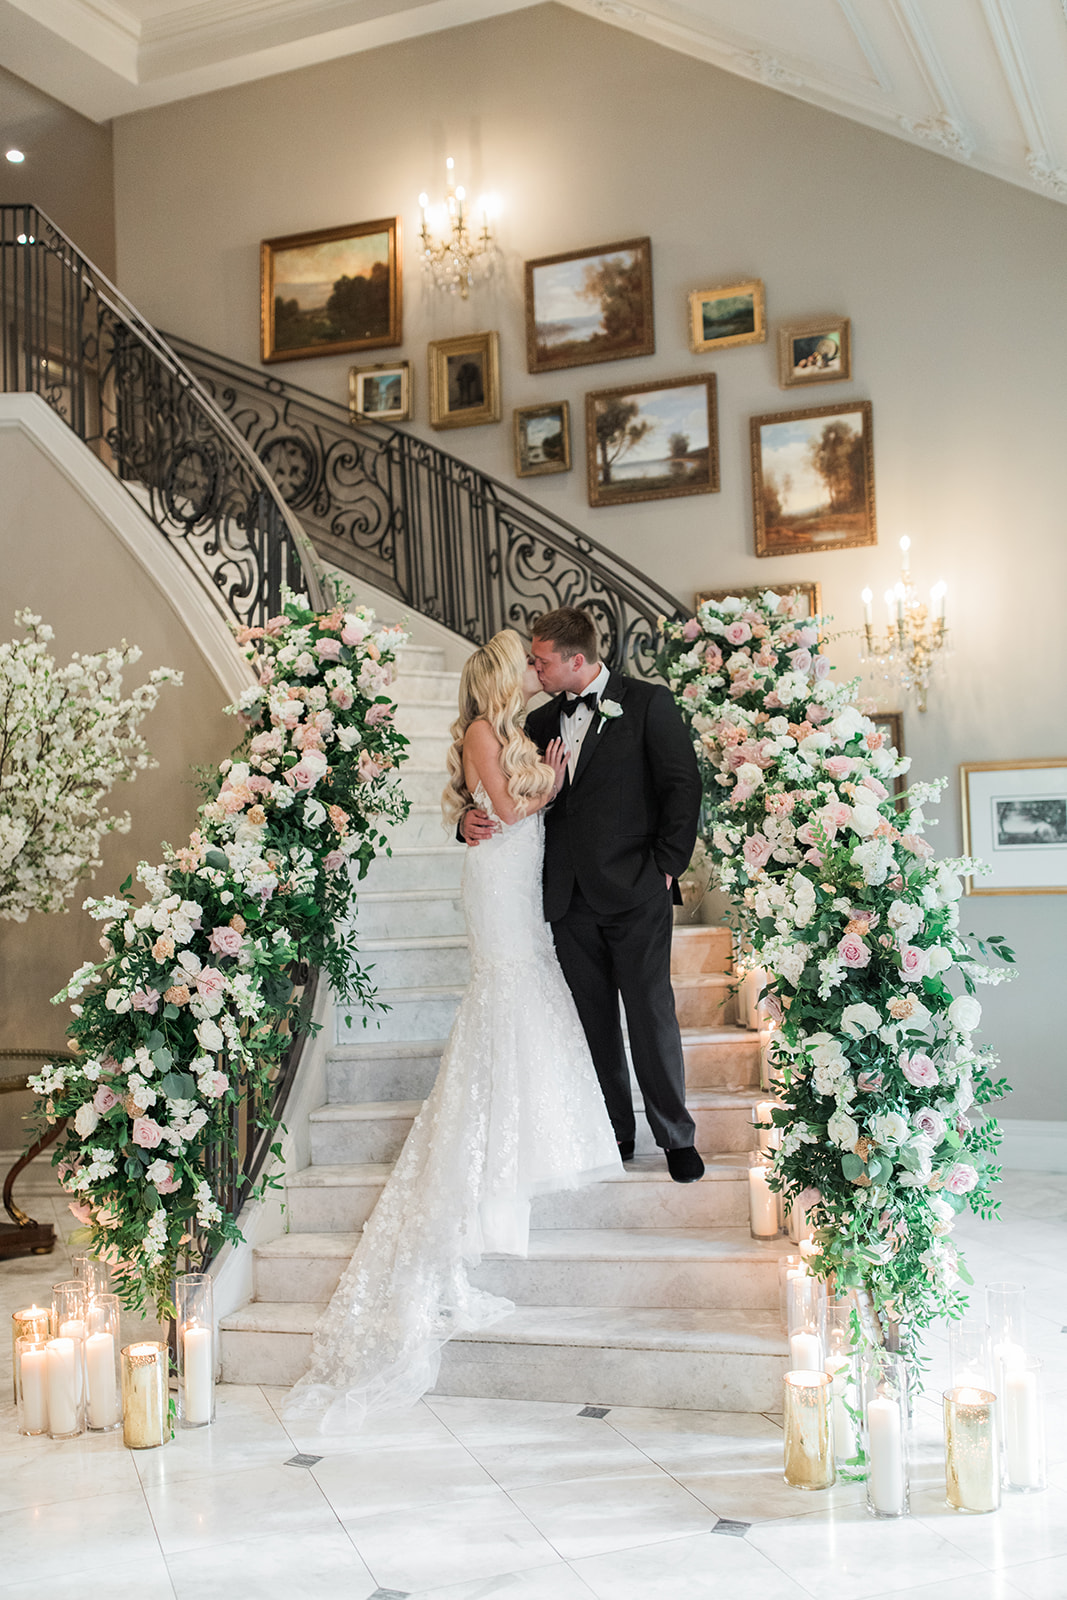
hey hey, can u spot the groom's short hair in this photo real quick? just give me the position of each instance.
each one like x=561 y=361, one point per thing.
x=573 y=632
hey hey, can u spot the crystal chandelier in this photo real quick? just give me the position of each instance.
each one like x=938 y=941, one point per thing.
x=915 y=634
x=452 y=259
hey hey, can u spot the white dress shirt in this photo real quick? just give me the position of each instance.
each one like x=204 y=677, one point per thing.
x=574 y=728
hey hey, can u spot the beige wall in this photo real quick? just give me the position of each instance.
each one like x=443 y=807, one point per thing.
x=953 y=281
x=62 y=560
x=67 y=171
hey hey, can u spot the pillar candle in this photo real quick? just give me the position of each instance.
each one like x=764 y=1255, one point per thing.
x=144 y=1396
x=805 y=1351
x=100 y=1380
x=839 y=1370
x=769 y=1138
x=762 y=1205
x=34 y=1365
x=63 y=1388
x=1022 y=1428
x=199 y=1374
x=885 y=1443
x=32 y=1323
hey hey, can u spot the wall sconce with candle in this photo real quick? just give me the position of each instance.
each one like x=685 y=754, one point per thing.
x=915 y=634
x=452 y=259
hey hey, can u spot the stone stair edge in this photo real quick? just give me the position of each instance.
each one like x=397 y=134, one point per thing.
x=368 y=1110
x=399 y=1048
x=645 y=1169
x=706 y=1246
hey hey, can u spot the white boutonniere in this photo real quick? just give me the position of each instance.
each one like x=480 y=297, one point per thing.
x=609 y=710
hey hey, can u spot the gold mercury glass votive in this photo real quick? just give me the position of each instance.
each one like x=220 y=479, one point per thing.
x=145 y=1395
x=972 y=1450
x=35 y=1322
x=809 y=1454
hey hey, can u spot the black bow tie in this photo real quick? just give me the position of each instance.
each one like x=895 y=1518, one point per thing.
x=570 y=706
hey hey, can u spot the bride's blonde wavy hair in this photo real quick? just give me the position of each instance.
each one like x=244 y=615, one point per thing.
x=491 y=687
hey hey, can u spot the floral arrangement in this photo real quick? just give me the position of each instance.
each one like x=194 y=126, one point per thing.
x=838 y=897
x=66 y=738
x=193 y=1005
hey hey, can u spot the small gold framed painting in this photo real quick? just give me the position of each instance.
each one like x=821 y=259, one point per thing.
x=542 y=439
x=807 y=596
x=891 y=725
x=817 y=351
x=652 y=441
x=734 y=314
x=382 y=393
x=331 y=292
x=1015 y=818
x=464 y=380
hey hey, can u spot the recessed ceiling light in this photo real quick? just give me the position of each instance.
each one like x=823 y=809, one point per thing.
x=15 y=157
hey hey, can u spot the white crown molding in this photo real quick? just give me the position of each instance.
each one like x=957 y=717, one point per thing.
x=945 y=126
x=866 y=44
x=192 y=602
x=102 y=30
x=1041 y=163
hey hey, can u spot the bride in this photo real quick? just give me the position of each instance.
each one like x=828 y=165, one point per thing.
x=516 y=1109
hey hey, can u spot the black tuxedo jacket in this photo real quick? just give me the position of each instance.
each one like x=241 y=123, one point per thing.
x=630 y=815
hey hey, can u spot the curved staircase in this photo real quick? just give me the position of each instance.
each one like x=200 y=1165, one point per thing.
x=636 y=1290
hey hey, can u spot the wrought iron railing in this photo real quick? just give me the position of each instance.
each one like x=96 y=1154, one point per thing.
x=68 y=335
x=447 y=540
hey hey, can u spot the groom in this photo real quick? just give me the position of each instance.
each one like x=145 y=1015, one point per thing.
x=619 y=834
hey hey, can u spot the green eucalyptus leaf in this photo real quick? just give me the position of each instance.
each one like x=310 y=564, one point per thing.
x=217 y=859
x=852 y=1166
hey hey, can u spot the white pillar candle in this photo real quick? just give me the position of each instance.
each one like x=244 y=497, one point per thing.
x=839 y=1370
x=769 y=1138
x=199 y=1374
x=1022 y=1428
x=100 y=1380
x=75 y=1329
x=748 y=992
x=762 y=1204
x=35 y=1389
x=64 y=1390
x=885 y=1443
x=805 y=1351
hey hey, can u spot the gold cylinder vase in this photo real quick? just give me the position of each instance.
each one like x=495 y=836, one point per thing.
x=145 y=1396
x=809 y=1451
x=972 y=1450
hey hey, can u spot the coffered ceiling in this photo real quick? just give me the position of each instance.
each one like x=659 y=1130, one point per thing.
x=983 y=82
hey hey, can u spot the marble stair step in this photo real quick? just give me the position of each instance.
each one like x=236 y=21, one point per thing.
x=408 y=913
x=339 y=1199
x=722 y=1268
x=414 y=1014
x=413 y=658
x=422 y=866
x=705 y=1000
x=423 y=781
x=707 y=1360
x=420 y=687
x=430 y=718
x=697 y=949
x=430 y=753
x=424 y=960
x=375 y=1131
x=423 y=824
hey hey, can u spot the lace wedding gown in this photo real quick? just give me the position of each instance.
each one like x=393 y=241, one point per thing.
x=516 y=1111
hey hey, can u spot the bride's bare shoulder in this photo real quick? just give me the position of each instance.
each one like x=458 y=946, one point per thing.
x=480 y=737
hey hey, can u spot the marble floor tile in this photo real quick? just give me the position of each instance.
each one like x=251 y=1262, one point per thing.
x=633 y=1507
x=320 y=1565
x=683 y=1441
x=1028 y=1527
x=386 y=1477
x=245 y=1435
x=476 y=1421
x=706 y=1567
x=569 y=1448
x=416 y=1425
x=852 y=1556
x=51 y=1541
x=979 y=1586
x=44 y=1470
x=147 y=1579
x=1037 y=1580
x=751 y=1488
x=556 y=1582
x=436 y=1548
x=208 y=1511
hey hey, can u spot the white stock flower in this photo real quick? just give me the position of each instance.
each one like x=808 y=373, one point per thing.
x=905 y=919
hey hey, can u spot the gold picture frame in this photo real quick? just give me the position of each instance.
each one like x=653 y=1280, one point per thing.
x=732 y=314
x=464 y=380
x=591 y=305
x=892 y=724
x=619 y=421
x=381 y=393
x=816 y=351
x=811 y=592
x=1016 y=821
x=832 y=448
x=345 y=288
x=542 y=439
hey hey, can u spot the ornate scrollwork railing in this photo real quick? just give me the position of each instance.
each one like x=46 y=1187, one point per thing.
x=447 y=540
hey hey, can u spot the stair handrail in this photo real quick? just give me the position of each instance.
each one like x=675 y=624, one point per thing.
x=66 y=362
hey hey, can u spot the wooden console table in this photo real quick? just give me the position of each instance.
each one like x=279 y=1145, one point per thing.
x=23 y=1236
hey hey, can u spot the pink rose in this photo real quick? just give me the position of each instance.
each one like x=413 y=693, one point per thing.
x=853 y=952
x=916 y=846
x=800 y=660
x=145 y=1000
x=737 y=633
x=258 y=785
x=214 y=1084
x=808 y=636
x=961 y=1178
x=308 y=771
x=342 y=698
x=770 y=1007
x=307 y=738
x=914 y=963
x=839 y=767
x=712 y=658
x=378 y=714
x=920 y=1071
x=329 y=649
x=820 y=668
x=757 y=850
x=104 y=1099
x=691 y=630
x=335 y=859
x=81 y=1212
x=169 y=1185
x=771 y=702
x=875 y=786
x=816 y=715
x=368 y=769
x=870 y=1080
x=266 y=744
x=146 y=1133
x=275 y=625
x=225 y=942
x=691 y=692
x=354 y=631
x=210 y=983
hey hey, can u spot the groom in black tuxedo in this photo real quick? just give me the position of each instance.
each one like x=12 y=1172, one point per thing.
x=617 y=838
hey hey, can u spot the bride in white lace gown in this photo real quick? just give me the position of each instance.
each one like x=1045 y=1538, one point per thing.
x=516 y=1109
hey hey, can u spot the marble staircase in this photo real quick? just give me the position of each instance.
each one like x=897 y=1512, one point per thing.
x=636 y=1290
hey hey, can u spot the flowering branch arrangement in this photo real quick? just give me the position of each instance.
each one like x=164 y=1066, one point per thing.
x=194 y=1006
x=66 y=738
x=837 y=895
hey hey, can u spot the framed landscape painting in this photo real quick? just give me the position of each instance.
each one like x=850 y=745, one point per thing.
x=589 y=305
x=808 y=596
x=542 y=439
x=719 y=318
x=327 y=293
x=382 y=393
x=465 y=381
x=1015 y=818
x=819 y=351
x=813 y=479
x=652 y=441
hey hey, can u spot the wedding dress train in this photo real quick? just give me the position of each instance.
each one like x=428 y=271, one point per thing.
x=516 y=1111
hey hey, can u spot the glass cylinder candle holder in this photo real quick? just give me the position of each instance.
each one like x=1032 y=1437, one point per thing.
x=196 y=1349
x=35 y=1322
x=1006 y=1316
x=145 y=1395
x=65 y=1383
x=809 y=1454
x=842 y=1368
x=103 y=1369
x=748 y=993
x=31 y=1385
x=69 y=1302
x=1023 y=1424
x=95 y=1274
x=806 y=1322
x=885 y=1423
x=789 y=1267
x=972 y=1450
x=768 y=1137
x=769 y=1073
x=970 y=1358
x=762 y=1200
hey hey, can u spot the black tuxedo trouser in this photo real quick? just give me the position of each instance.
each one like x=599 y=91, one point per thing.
x=629 y=953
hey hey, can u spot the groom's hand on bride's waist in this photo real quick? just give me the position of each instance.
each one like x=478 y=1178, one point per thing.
x=478 y=825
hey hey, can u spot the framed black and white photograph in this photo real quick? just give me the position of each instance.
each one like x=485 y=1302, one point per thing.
x=464 y=381
x=1015 y=818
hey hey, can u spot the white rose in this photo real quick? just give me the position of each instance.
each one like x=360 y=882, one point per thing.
x=314 y=813
x=964 y=1014
x=847 y=724
x=749 y=774
x=859 y=1019
x=949 y=887
x=348 y=738
x=864 y=820
x=940 y=958
x=889 y=1128
x=209 y=1035
x=85 y=1120
x=843 y=1130
x=905 y=919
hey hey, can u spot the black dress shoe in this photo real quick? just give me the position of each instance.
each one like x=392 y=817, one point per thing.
x=626 y=1149
x=684 y=1165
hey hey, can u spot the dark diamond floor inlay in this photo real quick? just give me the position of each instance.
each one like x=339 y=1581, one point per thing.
x=594 y=1411
x=736 y=1530
x=302 y=1461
